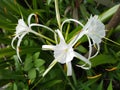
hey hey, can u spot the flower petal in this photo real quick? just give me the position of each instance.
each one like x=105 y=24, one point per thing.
x=90 y=48
x=43 y=26
x=21 y=27
x=29 y=18
x=69 y=68
x=18 y=45
x=79 y=56
x=48 y=47
x=98 y=49
x=73 y=20
x=60 y=36
x=12 y=43
x=76 y=38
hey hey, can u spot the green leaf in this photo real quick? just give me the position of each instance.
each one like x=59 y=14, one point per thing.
x=110 y=86
x=36 y=55
x=28 y=62
x=32 y=74
x=100 y=87
x=8 y=74
x=7 y=52
x=49 y=1
x=103 y=59
x=106 y=15
x=38 y=62
x=81 y=49
x=84 y=12
x=51 y=83
x=15 y=86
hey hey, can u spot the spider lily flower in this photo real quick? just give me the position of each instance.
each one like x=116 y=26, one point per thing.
x=64 y=53
x=94 y=30
x=22 y=29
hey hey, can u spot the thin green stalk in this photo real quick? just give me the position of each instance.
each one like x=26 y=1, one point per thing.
x=38 y=34
x=67 y=31
x=57 y=14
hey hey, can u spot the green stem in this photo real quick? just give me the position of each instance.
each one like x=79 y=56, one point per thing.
x=57 y=14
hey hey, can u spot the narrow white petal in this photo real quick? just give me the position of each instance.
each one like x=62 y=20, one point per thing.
x=98 y=49
x=79 y=56
x=12 y=43
x=18 y=45
x=50 y=66
x=48 y=47
x=40 y=25
x=29 y=18
x=73 y=20
x=90 y=48
x=69 y=68
x=18 y=54
x=83 y=66
x=76 y=38
x=60 y=36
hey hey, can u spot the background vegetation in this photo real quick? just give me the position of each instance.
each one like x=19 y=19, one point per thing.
x=105 y=71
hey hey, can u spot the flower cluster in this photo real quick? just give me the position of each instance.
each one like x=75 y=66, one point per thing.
x=64 y=52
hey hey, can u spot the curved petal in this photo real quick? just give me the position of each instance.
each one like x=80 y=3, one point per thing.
x=98 y=49
x=12 y=43
x=18 y=45
x=48 y=47
x=79 y=56
x=69 y=68
x=90 y=48
x=73 y=20
x=40 y=25
x=29 y=18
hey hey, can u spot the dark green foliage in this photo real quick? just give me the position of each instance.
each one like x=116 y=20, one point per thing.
x=105 y=71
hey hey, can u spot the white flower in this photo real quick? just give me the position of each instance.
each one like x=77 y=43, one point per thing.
x=95 y=31
x=64 y=53
x=22 y=29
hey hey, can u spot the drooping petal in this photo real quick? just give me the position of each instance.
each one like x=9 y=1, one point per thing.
x=98 y=49
x=90 y=48
x=43 y=26
x=18 y=45
x=69 y=68
x=29 y=18
x=12 y=43
x=79 y=56
x=73 y=20
x=48 y=47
